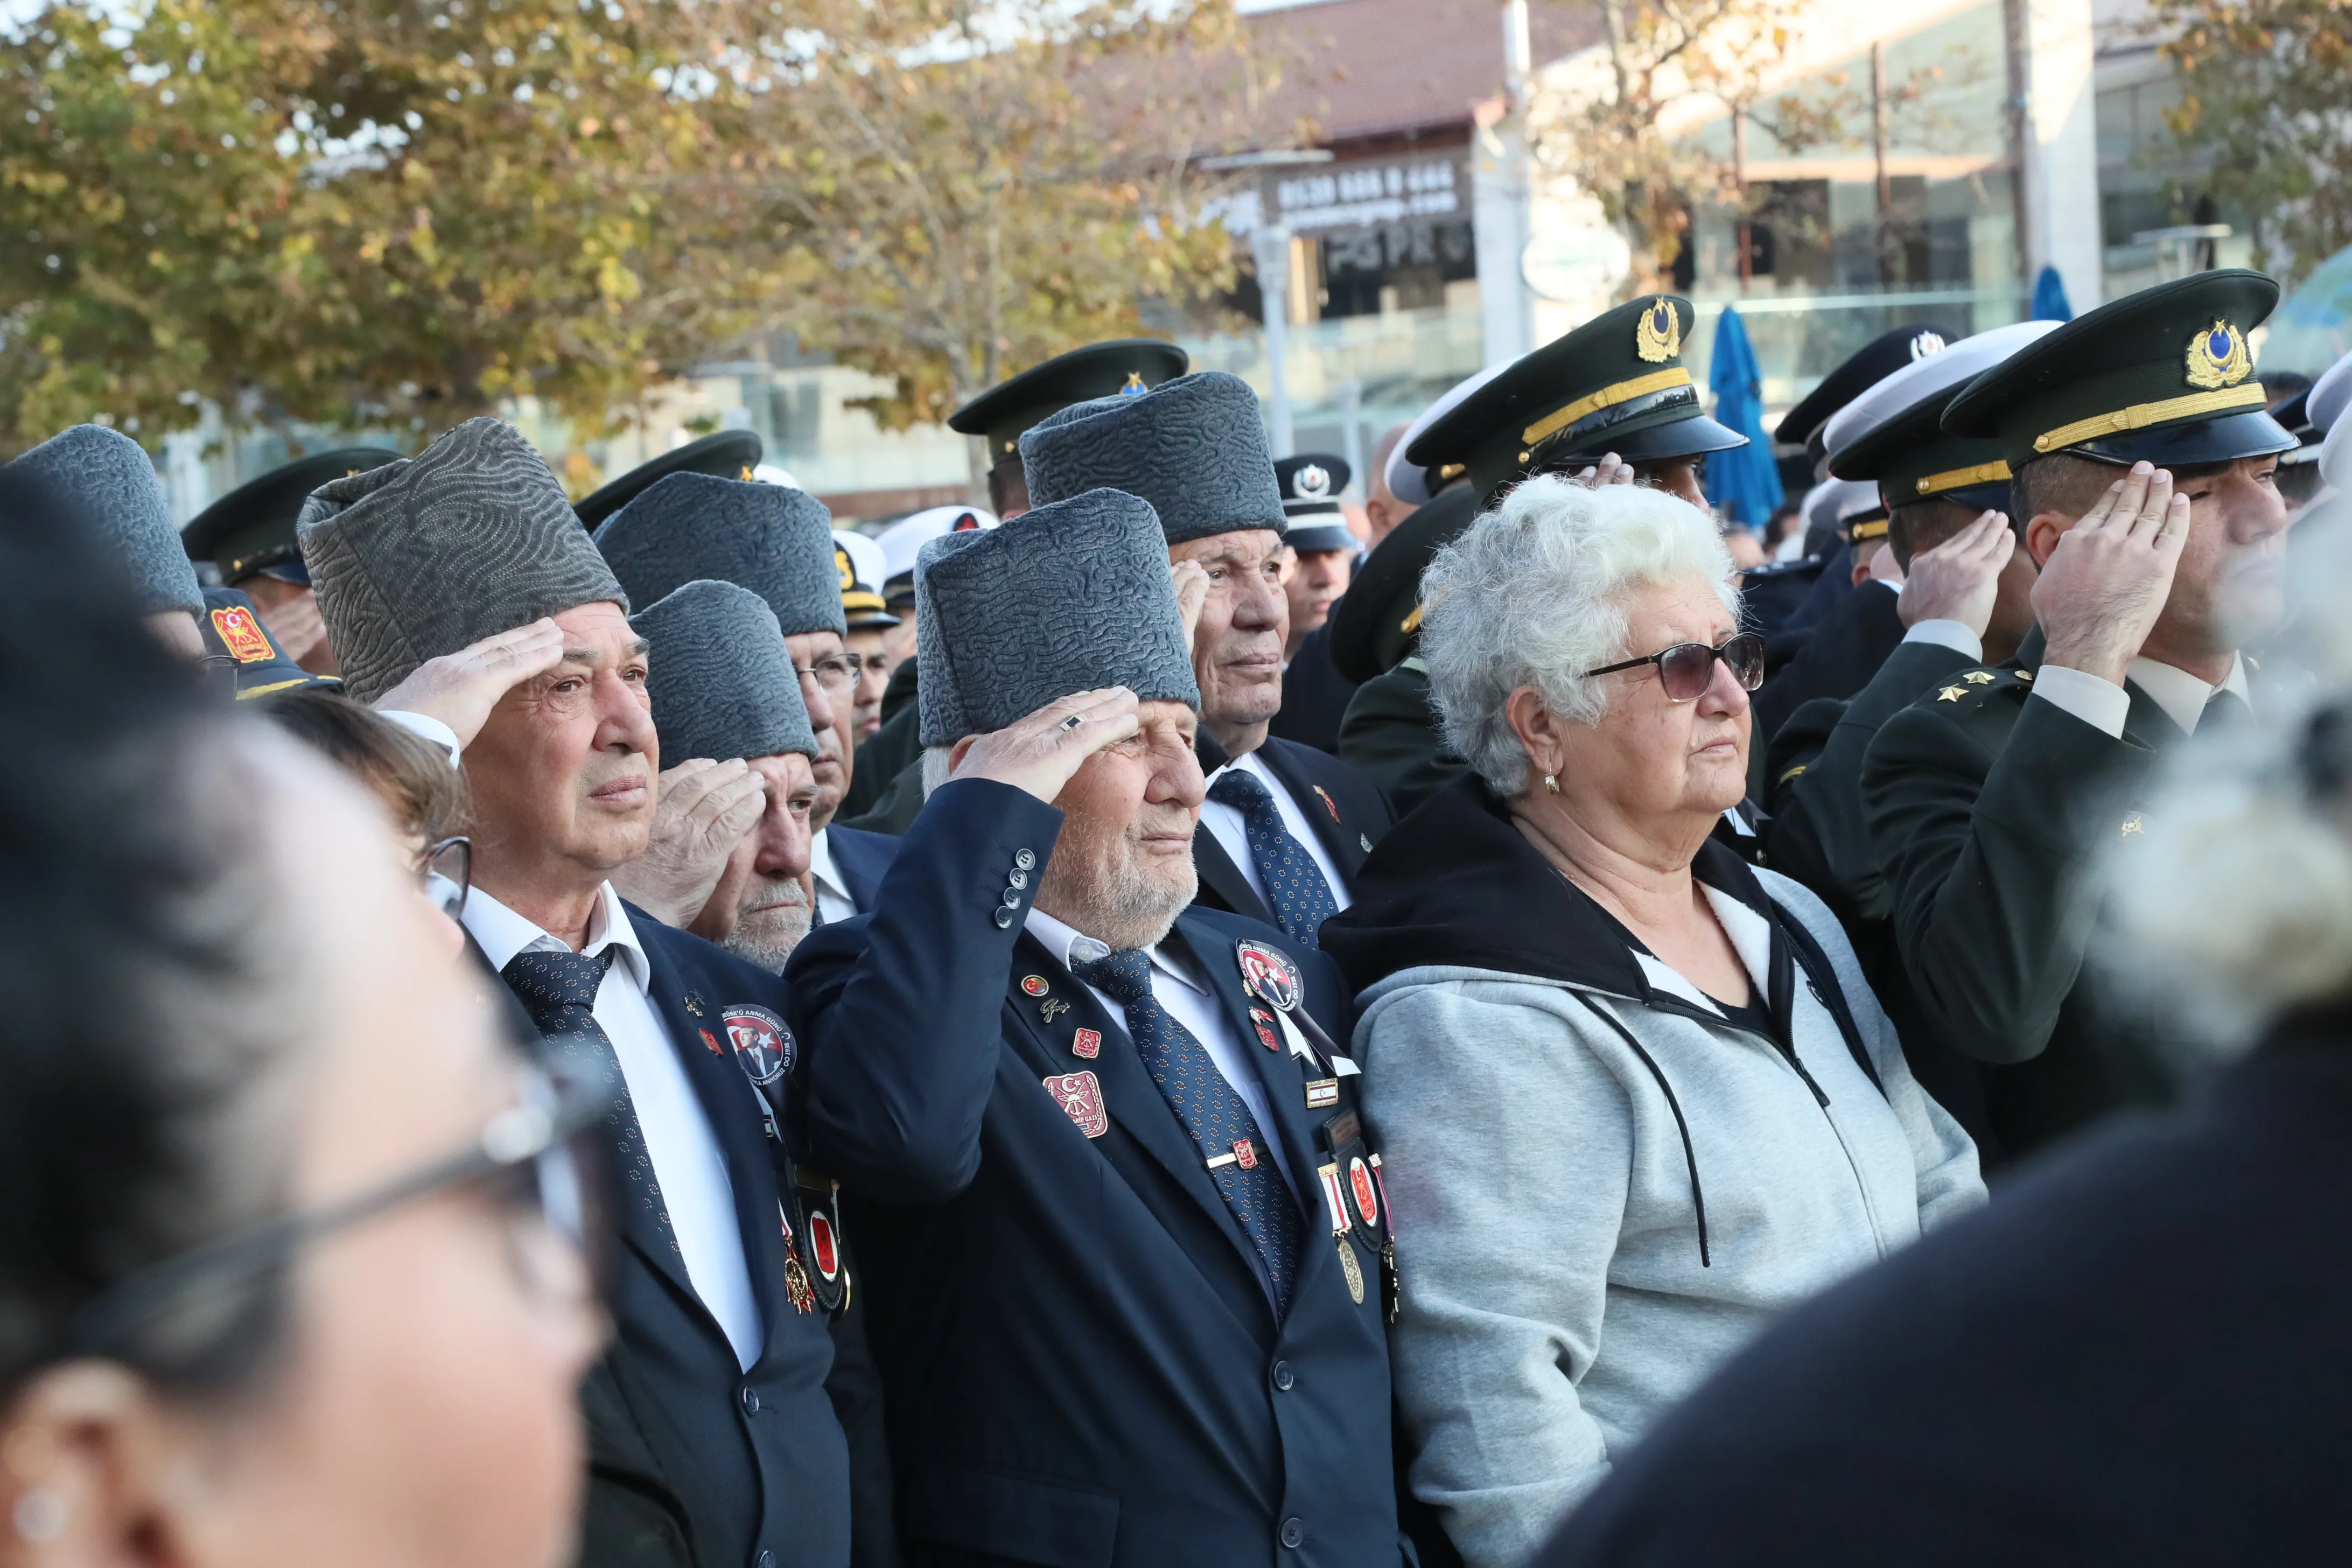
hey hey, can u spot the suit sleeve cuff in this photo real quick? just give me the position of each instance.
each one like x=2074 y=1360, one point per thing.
x=1952 y=635
x=2101 y=704
x=429 y=728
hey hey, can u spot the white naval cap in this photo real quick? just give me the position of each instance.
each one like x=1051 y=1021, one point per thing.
x=1927 y=377
x=2325 y=400
x=1409 y=482
x=905 y=538
x=866 y=559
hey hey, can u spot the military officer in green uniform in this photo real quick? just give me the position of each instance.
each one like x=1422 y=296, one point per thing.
x=2141 y=463
x=1614 y=388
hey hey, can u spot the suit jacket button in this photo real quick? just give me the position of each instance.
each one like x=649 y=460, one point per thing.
x=750 y=1402
x=1004 y=918
x=1294 y=1531
x=1016 y=878
x=1283 y=1377
x=1022 y=859
x=1011 y=898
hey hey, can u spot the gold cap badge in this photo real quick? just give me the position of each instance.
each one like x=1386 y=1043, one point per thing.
x=1658 y=335
x=2218 y=356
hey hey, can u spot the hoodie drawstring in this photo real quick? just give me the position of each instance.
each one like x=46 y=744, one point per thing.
x=1690 y=1156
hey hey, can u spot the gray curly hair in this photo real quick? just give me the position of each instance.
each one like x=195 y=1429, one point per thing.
x=1532 y=594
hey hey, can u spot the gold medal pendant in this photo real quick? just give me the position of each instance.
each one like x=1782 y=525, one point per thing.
x=1352 y=1269
x=796 y=1283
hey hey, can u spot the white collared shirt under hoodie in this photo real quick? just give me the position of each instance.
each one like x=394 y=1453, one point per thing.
x=678 y=1137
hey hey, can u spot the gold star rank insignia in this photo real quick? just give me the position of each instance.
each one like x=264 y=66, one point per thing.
x=1978 y=677
x=2131 y=826
x=2025 y=675
x=1949 y=694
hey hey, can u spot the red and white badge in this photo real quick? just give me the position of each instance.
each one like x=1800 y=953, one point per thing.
x=1338 y=1205
x=1268 y=975
x=1086 y=1043
x=1032 y=985
x=1080 y=1097
x=1262 y=1021
x=1360 y=1186
x=763 y=1047
x=1245 y=1154
x=823 y=1252
x=241 y=634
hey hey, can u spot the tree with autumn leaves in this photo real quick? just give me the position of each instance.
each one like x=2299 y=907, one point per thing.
x=371 y=211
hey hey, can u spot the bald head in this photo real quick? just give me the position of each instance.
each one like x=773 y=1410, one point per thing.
x=1381 y=509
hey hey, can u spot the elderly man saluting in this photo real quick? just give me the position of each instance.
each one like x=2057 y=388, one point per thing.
x=711 y=1437
x=1122 y=1232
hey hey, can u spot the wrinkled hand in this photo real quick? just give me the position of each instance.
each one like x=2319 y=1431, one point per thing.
x=460 y=688
x=299 y=630
x=2102 y=588
x=1191 y=580
x=1043 y=752
x=1612 y=470
x=1959 y=579
x=702 y=810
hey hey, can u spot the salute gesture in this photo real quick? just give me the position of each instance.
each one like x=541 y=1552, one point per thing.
x=2103 y=586
x=460 y=688
x=1043 y=752
x=1959 y=580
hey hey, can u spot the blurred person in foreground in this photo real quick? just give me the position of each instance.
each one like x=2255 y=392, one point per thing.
x=2135 y=1357
x=277 y=1286
x=110 y=483
x=1636 y=1096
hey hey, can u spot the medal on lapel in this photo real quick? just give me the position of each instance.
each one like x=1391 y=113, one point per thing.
x=1267 y=973
x=818 y=1200
x=797 y=1280
x=1328 y=804
x=1079 y=1094
x=1086 y=1043
x=764 y=1048
x=1262 y=1021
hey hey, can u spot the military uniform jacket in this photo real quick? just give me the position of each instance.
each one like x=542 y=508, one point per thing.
x=1083 y=1365
x=1348 y=813
x=1988 y=812
x=1389 y=736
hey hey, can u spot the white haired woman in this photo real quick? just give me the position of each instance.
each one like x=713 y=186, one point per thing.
x=1635 y=1095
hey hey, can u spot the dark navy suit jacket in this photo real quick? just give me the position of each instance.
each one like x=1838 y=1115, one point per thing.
x=861 y=857
x=1083 y=1365
x=693 y=1460
x=1350 y=814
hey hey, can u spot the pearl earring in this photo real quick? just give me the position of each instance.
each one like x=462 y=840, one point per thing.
x=1551 y=784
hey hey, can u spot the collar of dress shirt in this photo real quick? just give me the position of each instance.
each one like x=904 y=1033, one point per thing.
x=1247 y=762
x=821 y=865
x=502 y=933
x=2180 y=694
x=1072 y=947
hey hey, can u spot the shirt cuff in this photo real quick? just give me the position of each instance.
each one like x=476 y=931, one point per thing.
x=1953 y=635
x=2101 y=704
x=428 y=726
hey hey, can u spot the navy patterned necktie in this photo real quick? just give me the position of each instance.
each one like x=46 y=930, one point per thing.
x=559 y=991
x=1295 y=889
x=1216 y=1116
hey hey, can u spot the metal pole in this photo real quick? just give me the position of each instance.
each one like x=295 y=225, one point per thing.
x=1350 y=396
x=1878 y=127
x=1270 y=248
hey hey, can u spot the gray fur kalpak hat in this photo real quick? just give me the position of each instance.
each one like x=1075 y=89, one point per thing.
x=1071 y=597
x=775 y=541
x=107 y=478
x=721 y=680
x=430 y=554
x=1193 y=448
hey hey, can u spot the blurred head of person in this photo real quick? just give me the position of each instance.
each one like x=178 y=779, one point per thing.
x=1313 y=581
x=231 y=1018
x=1585 y=658
x=108 y=484
x=1382 y=510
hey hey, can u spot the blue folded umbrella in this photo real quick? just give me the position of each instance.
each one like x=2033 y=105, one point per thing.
x=1745 y=481
x=2050 y=298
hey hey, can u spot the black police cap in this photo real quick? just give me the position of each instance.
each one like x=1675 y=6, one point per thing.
x=232 y=628
x=1310 y=483
x=1878 y=358
x=2165 y=375
x=1378 y=621
x=728 y=455
x=1617 y=384
x=1133 y=365
x=251 y=528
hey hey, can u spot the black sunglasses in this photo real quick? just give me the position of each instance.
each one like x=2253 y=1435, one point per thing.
x=539 y=1157
x=1687 y=668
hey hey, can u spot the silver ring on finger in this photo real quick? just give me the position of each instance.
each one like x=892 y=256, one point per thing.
x=1073 y=721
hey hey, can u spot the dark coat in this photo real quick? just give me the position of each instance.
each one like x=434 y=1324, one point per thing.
x=884 y=755
x=1083 y=1364
x=1314 y=693
x=1987 y=812
x=694 y=1462
x=1389 y=736
x=1770 y=594
x=861 y=857
x=1838 y=660
x=2135 y=1356
x=1350 y=816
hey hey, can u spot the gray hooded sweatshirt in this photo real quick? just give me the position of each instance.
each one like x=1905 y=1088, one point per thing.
x=1601 y=1186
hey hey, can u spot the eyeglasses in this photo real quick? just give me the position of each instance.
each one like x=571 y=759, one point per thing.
x=833 y=674
x=1687 y=668
x=445 y=871
x=537 y=1160
x=217 y=674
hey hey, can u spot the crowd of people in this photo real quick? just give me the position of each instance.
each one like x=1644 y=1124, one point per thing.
x=1127 y=1028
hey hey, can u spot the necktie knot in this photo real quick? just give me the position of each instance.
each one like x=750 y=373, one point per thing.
x=1124 y=975
x=548 y=984
x=1242 y=792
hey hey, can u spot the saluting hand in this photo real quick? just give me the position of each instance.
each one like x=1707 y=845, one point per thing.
x=1043 y=752
x=460 y=688
x=1959 y=579
x=701 y=811
x=2106 y=583
x=1612 y=470
x=1191 y=580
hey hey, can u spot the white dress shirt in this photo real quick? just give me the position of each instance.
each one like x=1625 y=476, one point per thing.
x=833 y=901
x=1230 y=829
x=1188 y=1002
x=685 y=1151
x=2105 y=706
x=426 y=727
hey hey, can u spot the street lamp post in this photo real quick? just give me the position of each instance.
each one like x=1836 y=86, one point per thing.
x=1270 y=248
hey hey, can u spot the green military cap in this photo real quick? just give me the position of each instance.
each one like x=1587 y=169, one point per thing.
x=2163 y=375
x=251 y=529
x=1893 y=433
x=1617 y=384
x=1129 y=366
x=1376 y=622
x=728 y=455
x=233 y=634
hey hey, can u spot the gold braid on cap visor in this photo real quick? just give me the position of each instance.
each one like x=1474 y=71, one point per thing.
x=2140 y=415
